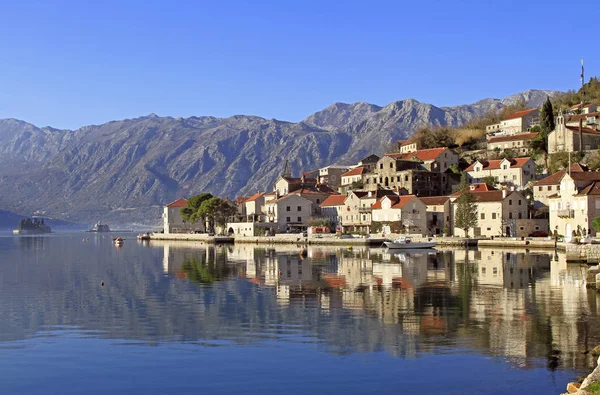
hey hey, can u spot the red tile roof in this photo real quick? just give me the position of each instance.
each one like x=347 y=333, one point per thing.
x=516 y=137
x=487 y=196
x=397 y=201
x=334 y=200
x=178 y=203
x=422 y=154
x=592 y=189
x=434 y=200
x=255 y=197
x=584 y=130
x=553 y=179
x=520 y=114
x=355 y=172
x=494 y=164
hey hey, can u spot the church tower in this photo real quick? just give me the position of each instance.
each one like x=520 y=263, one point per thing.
x=287 y=171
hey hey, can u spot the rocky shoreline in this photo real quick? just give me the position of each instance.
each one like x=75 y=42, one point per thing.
x=591 y=384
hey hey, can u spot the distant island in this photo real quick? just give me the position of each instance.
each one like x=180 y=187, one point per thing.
x=32 y=227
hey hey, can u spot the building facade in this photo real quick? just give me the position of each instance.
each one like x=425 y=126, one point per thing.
x=401 y=214
x=517 y=172
x=565 y=138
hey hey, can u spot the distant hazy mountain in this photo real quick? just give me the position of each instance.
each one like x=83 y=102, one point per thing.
x=123 y=171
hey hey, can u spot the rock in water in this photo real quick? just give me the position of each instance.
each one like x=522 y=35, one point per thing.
x=573 y=387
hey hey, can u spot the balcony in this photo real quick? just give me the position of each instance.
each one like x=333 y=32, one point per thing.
x=364 y=209
x=567 y=213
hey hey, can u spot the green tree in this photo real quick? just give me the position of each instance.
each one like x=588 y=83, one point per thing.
x=596 y=224
x=217 y=211
x=466 y=208
x=490 y=181
x=190 y=213
x=357 y=185
x=547 y=118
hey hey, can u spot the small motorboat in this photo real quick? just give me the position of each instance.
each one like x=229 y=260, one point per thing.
x=119 y=241
x=144 y=236
x=407 y=243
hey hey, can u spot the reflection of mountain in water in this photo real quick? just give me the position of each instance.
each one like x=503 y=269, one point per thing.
x=518 y=306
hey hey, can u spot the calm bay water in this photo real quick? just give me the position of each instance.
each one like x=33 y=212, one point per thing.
x=188 y=318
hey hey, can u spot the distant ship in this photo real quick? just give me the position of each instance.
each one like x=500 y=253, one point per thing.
x=32 y=227
x=100 y=228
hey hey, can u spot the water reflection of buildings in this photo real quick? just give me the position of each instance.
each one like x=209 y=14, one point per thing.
x=515 y=305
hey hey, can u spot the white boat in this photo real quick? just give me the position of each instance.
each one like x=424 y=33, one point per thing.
x=407 y=243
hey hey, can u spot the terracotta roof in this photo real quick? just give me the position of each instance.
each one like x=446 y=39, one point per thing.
x=494 y=164
x=577 y=117
x=397 y=201
x=284 y=197
x=586 y=176
x=255 y=197
x=434 y=200
x=552 y=179
x=240 y=199
x=355 y=172
x=490 y=196
x=516 y=137
x=334 y=200
x=178 y=203
x=520 y=114
x=592 y=189
x=584 y=130
x=477 y=187
x=422 y=154
x=408 y=142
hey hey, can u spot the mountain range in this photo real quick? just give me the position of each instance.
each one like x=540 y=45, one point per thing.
x=124 y=171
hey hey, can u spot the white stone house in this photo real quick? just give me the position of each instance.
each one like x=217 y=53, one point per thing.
x=333 y=209
x=497 y=213
x=289 y=211
x=576 y=204
x=519 y=143
x=395 y=213
x=174 y=223
x=512 y=172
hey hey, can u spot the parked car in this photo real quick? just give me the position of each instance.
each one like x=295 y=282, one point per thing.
x=538 y=233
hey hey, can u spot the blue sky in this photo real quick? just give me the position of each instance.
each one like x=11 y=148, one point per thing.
x=69 y=63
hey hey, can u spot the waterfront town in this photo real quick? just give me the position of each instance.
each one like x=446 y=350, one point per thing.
x=416 y=190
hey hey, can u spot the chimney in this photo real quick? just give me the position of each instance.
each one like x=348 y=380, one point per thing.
x=303 y=178
x=504 y=193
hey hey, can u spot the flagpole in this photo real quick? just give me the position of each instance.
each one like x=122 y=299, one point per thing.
x=581 y=112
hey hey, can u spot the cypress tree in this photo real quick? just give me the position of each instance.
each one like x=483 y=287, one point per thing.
x=547 y=118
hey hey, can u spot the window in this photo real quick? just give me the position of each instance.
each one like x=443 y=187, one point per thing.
x=406 y=178
x=514 y=177
x=504 y=167
x=520 y=217
x=391 y=165
x=299 y=219
x=299 y=208
x=288 y=219
x=521 y=228
x=510 y=202
x=318 y=201
x=509 y=215
x=482 y=215
x=519 y=202
x=288 y=208
x=549 y=188
x=381 y=166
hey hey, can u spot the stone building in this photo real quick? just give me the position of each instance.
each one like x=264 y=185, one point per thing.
x=497 y=212
x=358 y=207
x=565 y=138
x=333 y=209
x=519 y=122
x=438 y=214
x=288 y=212
x=332 y=175
x=520 y=144
x=401 y=214
x=576 y=204
x=550 y=185
x=353 y=176
x=407 y=146
x=421 y=173
x=174 y=223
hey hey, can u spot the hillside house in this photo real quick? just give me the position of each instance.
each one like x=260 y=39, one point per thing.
x=254 y=205
x=515 y=172
x=519 y=122
x=520 y=144
x=332 y=175
x=353 y=176
x=407 y=146
x=358 y=207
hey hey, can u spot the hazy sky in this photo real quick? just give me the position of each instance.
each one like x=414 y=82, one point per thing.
x=71 y=63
